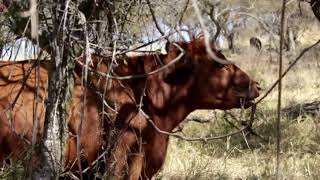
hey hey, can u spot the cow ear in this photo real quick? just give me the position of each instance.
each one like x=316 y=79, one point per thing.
x=180 y=75
x=165 y=48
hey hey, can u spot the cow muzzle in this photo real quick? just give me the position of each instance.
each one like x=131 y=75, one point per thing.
x=253 y=93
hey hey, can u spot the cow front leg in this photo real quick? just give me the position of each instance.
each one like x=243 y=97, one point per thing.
x=128 y=158
x=136 y=164
x=125 y=142
x=155 y=154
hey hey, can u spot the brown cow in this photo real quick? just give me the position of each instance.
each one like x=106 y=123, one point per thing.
x=196 y=81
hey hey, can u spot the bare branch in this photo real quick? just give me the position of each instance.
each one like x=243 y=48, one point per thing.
x=84 y=79
x=183 y=12
x=216 y=23
x=154 y=18
x=182 y=52
x=283 y=11
x=32 y=12
x=207 y=37
x=253 y=110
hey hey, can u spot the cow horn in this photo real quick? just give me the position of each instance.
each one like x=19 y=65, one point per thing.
x=205 y=37
x=217 y=59
x=164 y=48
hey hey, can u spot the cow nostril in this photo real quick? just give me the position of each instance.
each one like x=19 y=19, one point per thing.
x=259 y=87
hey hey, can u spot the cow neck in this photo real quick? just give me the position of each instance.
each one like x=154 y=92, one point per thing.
x=172 y=107
x=170 y=116
x=173 y=112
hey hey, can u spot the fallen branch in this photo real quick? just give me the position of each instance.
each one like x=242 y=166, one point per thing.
x=312 y=109
x=199 y=118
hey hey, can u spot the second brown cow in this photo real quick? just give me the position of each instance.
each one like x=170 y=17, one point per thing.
x=119 y=110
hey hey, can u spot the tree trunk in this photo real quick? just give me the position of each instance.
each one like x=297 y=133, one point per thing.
x=60 y=89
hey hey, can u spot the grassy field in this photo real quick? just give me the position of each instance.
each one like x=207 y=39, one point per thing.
x=247 y=156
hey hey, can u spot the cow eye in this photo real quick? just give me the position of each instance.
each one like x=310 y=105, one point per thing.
x=243 y=85
x=218 y=65
x=220 y=55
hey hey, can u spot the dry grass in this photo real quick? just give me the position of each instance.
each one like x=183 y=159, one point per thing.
x=232 y=159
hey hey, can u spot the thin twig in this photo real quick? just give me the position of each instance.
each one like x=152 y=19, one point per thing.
x=182 y=52
x=216 y=23
x=253 y=110
x=35 y=127
x=24 y=81
x=250 y=130
x=84 y=79
x=183 y=12
x=144 y=45
x=154 y=18
x=245 y=139
x=280 y=86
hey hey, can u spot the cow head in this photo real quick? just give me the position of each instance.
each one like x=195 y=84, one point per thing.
x=204 y=82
